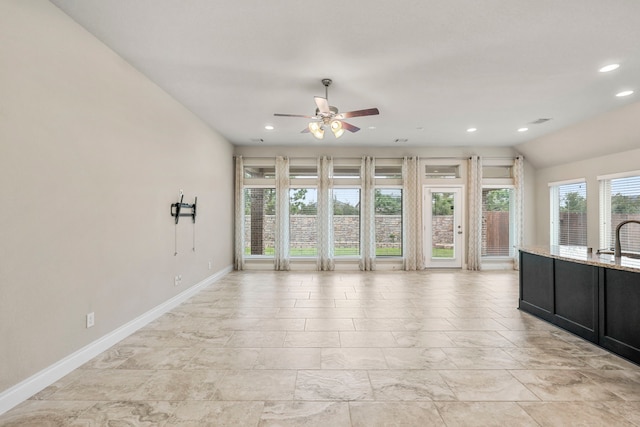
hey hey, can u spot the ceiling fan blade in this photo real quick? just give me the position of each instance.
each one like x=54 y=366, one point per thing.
x=350 y=127
x=322 y=104
x=359 y=113
x=293 y=115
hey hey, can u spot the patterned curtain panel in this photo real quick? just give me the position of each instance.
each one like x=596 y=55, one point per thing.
x=411 y=215
x=325 y=215
x=368 y=223
x=239 y=216
x=281 y=256
x=474 y=252
x=518 y=237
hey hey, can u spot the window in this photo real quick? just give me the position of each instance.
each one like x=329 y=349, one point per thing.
x=303 y=222
x=442 y=171
x=346 y=221
x=388 y=221
x=346 y=171
x=497 y=222
x=497 y=171
x=303 y=172
x=260 y=172
x=333 y=229
x=388 y=172
x=620 y=201
x=569 y=214
x=259 y=221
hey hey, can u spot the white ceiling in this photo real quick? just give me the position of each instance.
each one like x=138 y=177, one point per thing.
x=433 y=67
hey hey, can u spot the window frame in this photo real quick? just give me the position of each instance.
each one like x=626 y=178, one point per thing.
x=306 y=187
x=333 y=221
x=605 y=225
x=391 y=187
x=512 y=220
x=554 y=209
x=251 y=187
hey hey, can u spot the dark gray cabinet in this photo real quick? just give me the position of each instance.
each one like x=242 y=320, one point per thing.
x=536 y=285
x=620 y=314
x=576 y=298
x=597 y=303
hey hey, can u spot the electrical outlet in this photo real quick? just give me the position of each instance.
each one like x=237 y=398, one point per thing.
x=91 y=319
x=176 y=281
x=209 y=265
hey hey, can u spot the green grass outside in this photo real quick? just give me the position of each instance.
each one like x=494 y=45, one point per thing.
x=441 y=253
x=388 y=251
x=300 y=252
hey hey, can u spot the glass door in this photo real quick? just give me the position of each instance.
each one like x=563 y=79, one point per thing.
x=443 y=245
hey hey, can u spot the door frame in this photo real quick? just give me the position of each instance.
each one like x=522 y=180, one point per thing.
x=458 y=227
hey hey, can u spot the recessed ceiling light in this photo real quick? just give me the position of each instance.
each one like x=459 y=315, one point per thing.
x=609 y=67
x=523 y=129
x=624 y=93
x=269 y=127
x=471 y=130
x=372 y=127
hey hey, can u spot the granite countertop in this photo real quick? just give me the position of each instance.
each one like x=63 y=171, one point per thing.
x=579 y=254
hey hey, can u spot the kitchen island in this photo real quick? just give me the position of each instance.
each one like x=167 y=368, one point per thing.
x=596 y=297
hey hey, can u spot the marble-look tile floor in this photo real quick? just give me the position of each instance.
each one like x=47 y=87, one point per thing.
x=425 y=348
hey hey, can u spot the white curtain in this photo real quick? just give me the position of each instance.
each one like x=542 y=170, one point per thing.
x=518 y=180
x=281 y=256
x=367 y=215
x=239 y=215
x=474 y=252
x=412 y=215
x=325 y=215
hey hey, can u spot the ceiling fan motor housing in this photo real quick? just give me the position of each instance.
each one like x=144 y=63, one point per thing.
x=326 y=117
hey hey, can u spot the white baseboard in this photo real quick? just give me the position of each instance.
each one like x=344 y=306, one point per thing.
x=32 y=385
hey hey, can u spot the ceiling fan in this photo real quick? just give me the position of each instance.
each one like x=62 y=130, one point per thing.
x=328 y=116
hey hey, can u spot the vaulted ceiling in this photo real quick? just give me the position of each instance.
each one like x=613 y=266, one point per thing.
x=434 y=68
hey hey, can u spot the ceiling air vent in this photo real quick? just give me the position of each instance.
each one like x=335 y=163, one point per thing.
x=257 y=140
x=539 y=121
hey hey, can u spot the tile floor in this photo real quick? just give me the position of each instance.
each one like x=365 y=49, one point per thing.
x=335 y=349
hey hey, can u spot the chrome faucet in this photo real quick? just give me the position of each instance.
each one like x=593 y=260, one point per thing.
x=618 y=250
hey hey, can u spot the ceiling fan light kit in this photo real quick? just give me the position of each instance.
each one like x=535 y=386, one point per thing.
x=316 y=130
x=328 y=115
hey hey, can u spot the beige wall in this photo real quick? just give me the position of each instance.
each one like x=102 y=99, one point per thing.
x=589 y=169
x=92 y=154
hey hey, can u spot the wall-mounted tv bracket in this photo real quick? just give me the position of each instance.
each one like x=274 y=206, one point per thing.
x=178 y=210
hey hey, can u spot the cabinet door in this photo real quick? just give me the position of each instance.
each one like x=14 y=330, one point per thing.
x=576 y=298
x=620 y=313
x=536 y=285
